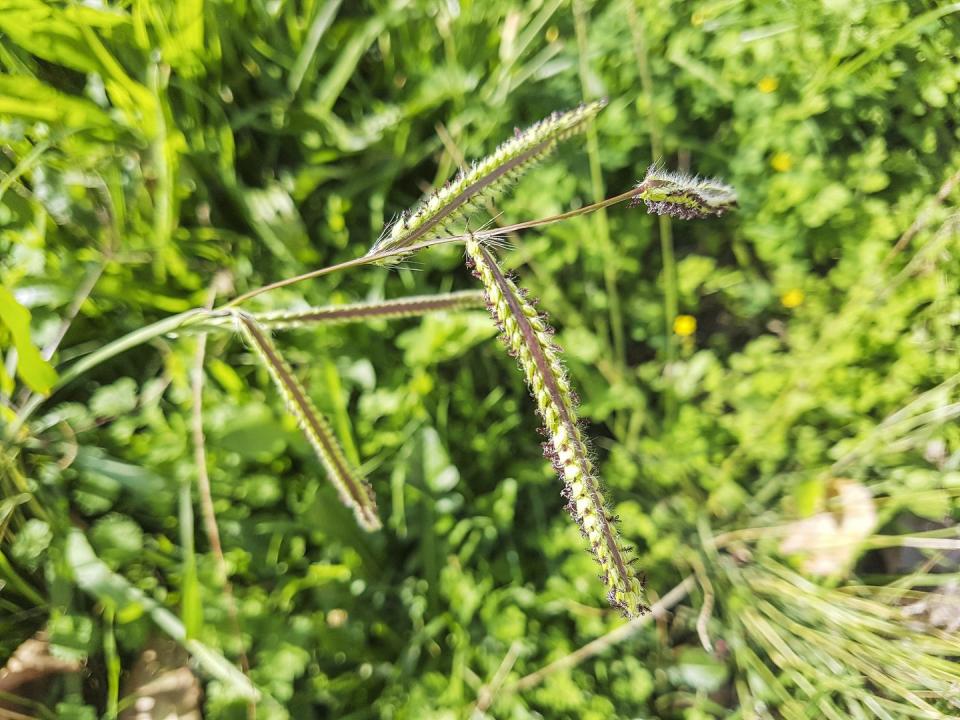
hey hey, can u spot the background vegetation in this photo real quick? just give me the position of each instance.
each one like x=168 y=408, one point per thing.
x=771 y=395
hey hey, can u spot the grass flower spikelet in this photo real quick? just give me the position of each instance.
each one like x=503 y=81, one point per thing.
x=359 y=312
x=529 y=338
x=684 y=196
x=489 y=175
x=354 y=490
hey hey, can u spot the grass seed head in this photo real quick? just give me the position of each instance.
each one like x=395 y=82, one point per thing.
x=529 y=338
x=487 y=177
x=684 y=196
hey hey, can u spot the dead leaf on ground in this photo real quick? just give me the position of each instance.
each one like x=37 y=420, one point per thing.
x=164 y=688
x=830 y=540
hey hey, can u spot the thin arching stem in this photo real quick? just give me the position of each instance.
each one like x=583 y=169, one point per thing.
x=481 y=235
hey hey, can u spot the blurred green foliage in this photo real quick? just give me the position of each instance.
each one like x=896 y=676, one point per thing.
x=149 y=146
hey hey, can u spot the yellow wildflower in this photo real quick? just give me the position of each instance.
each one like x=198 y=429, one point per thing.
x=768 y=84
x=792 y=298
x=781 y=161
x=684 y=325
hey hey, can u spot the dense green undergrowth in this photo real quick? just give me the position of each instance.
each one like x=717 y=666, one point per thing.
x=771 y=395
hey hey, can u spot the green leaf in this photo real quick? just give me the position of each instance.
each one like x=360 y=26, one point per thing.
x=931 y=504
x=35 y=372
x=697 y=669
x=116 y=399
x=117 y=538
x=30 y=99
x=31 y=542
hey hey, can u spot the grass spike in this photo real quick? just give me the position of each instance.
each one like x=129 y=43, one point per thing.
x=359 y=312
x=436 y=211
x=529 y=338
x=354 y=490
x=684 y=196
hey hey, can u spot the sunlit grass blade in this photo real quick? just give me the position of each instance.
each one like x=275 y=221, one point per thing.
x=359 y=312
x=489 y=175
x=529 y=338
x=852 y=644
x=354 y=491
x=94 y=577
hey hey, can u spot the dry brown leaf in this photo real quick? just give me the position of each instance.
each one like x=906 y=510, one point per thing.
x=829 y=541
x=33 y=661
x=164 y=688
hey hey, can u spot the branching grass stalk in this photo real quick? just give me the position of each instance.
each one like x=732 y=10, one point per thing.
x=354 y=490
x=359 y=312
x=526 y=333
x=447 y=240
x=529 y=338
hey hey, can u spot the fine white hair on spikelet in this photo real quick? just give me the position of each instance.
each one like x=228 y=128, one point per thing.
x=355 y=492
x=683 y=196
x=490 y=175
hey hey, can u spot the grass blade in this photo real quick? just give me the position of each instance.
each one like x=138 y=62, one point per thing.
x=96 y=579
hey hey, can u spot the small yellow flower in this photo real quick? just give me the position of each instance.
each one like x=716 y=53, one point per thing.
x=768 y=84
x=792 y=298
x=552 y=34
x=684 y=325
x=781 y=161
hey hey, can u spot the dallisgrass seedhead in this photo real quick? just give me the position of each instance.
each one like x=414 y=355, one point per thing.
x=354 y=490
x=684 y=196
x=359 y=312
x=529 y=338
x=486 y=177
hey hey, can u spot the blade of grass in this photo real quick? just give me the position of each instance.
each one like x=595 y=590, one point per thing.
x=96 y=579
x=601 y=225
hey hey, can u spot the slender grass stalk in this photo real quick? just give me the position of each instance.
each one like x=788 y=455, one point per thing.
x=603 y=643
x=386 y=255
x=112 y=661
x=601 y=226
x=205 y=493
x=529 y=337
x=110 y=350
x=670 y=296
x=359 y=312
x=354 y=491
x=491 y=174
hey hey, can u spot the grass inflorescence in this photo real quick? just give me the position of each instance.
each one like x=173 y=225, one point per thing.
x=529 y=338
x=362 y=312
x=683 y=196
x=484 y=178
x=354 y=490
